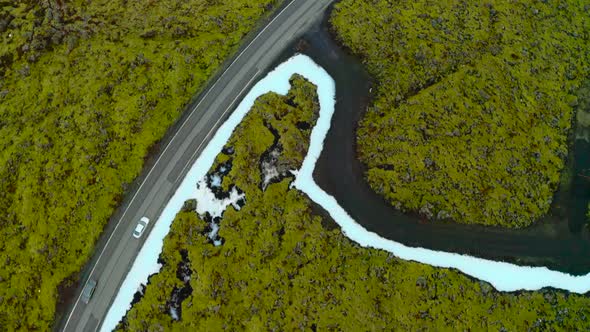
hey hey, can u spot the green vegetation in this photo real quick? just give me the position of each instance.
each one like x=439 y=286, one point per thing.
x=279 y=269
x=86 y=88
x=582 y=132
x=473 y=104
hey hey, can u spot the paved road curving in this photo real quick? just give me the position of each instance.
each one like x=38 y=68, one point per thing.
x=338 y=172
x=117 y=248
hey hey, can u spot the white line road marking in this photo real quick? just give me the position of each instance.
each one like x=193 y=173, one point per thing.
x=165 y=149
x=216 y=123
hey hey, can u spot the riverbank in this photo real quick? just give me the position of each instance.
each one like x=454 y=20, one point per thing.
x=295 y=274
x=550 y=242
x=468 y=124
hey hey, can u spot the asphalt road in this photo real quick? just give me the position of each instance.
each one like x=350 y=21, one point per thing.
x=117 y=248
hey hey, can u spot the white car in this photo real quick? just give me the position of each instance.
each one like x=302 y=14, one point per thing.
x=141 y=226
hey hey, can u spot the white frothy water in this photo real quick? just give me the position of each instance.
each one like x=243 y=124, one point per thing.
x=503 y=276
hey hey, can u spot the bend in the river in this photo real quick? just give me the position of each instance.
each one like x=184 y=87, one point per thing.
x=548 y=243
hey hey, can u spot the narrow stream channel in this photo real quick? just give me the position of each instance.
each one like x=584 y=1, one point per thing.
x=558 y=241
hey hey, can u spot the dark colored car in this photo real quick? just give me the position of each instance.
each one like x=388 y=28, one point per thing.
x=88 y=290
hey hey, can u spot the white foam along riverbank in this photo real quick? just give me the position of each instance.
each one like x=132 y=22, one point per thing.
x=503 y=276
x=145 y=263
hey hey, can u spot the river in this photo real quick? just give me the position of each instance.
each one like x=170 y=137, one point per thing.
x=557 y=241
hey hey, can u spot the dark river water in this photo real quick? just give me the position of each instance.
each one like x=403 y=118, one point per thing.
x=559 y=241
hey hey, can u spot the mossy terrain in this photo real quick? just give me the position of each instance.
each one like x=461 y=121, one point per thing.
x=582 y=131
x=86 y=87
x=279 y=269
x=473 y=102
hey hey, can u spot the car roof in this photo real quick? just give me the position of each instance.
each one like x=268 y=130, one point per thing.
x=89 y=287
x=139 y=227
